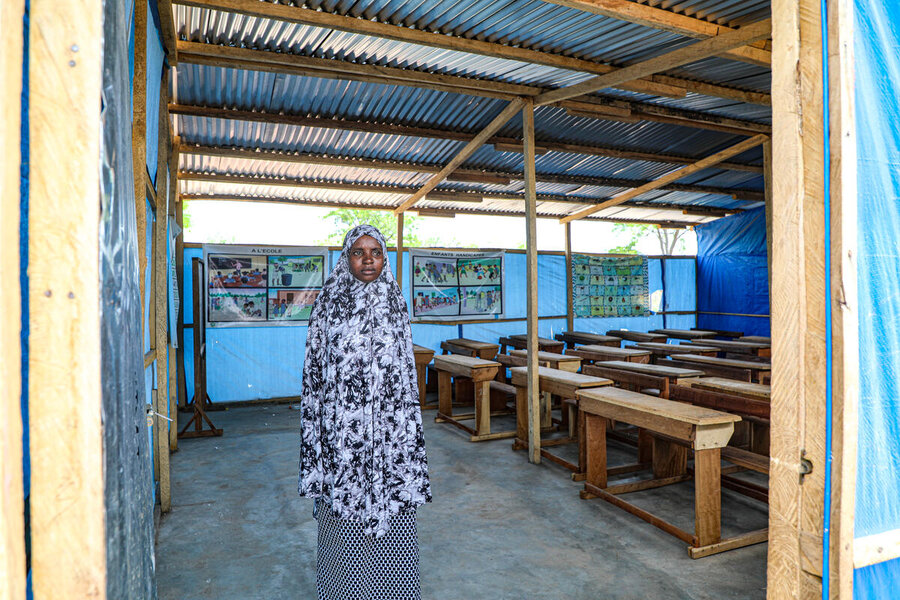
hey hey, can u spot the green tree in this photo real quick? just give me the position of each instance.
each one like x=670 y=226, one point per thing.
x=669 y=240
x=345 y=219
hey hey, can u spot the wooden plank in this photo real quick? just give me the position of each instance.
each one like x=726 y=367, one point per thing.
x=685 y=334
x=760 y=339
x=732 y=543
x=797 y=300
x=636 y=382
x=212 y=112
x=570 y=313
x=399 y=268
x=877 y=548
x=468 y=150
x=659 y=18
x=466 y=366
x=689 y=54
x=657 y=370
x=68 y=536
x=555 y=360
x=592 y=339
x=534 y=430
x=738 y=388
x=601 y=353
x=749 y=460
x=670 y=349
x=635 y=402
x=725 y=362
x=704 y=163
x=12 y=506
x=657 y=85
x=161 y=300
x=707 y=496
x=740 y=405
x=138 y=139
x=555 y=381
x=595 y=449
x=637 y=336
x=167 y=24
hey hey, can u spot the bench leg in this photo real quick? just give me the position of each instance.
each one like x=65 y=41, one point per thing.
x=445 y=394
x=595 y=451
x=482 y=407
x=708 y=496
x=420 y=379
x=521 y=441
x=546 y=410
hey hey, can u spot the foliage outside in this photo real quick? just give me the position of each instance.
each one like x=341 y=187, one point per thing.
x=345 y=219
x=670 y=240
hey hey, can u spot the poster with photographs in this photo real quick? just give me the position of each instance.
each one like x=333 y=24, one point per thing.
x=452 y=286
x=610 y=286
x=252 y=286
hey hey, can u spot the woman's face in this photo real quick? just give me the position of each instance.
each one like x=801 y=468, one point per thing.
x=366 y=259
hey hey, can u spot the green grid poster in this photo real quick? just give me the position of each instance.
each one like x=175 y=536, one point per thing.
x=606 y=286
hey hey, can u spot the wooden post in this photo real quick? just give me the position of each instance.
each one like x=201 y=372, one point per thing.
x=570 y=310
x=12 y=525
x=534 y=414
x=179 y=274
x=767 y=175
x=139 y=138
x=160 y=295
x=399 y=269
x=68 y=536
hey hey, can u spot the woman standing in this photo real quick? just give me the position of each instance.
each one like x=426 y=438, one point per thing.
x=362 y=453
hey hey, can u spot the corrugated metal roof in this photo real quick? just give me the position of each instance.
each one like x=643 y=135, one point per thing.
x=529 y=24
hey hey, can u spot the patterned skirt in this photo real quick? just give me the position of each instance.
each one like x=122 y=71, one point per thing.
x=354 y=566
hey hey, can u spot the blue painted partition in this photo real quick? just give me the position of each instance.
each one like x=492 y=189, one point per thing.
x=732 y=273
x=247 y=363
x=877 y=95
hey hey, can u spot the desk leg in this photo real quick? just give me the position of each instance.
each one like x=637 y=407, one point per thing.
x=595 y=451
x=420 y=378
x=445 y=395
x=546 y=410
x=521 y=418
x=482 y=407
x=669 y=460
x=708 y=496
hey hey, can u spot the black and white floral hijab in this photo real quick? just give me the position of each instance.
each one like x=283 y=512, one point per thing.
x=362 y=451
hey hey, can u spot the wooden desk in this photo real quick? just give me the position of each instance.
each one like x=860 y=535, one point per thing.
x=473 y=348
x=670 y=349
x=553 y=360
x=422 y=356
x=759 y=339
x=721 y=332
x=600 y=353
x=685 y=334
x=520 y=342
x=582 y=337
x=550 y=381
x=754 y=348
x=481 y=372
x=677 y=425
x=675 y=375
x=637 y=336
x=756 y=391
x=710 y=363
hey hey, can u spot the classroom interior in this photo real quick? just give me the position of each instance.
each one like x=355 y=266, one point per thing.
x=711 y=426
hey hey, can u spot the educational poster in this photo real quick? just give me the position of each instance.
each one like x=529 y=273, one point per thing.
x=607 y=286
x=254 y=286
x=450 y=286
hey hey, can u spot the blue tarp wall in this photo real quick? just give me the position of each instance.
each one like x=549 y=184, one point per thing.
x=732 y=273
x=248 y=363
x=877 y=91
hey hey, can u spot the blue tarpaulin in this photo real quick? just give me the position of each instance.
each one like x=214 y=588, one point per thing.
x=877 y=69
x=732 y=273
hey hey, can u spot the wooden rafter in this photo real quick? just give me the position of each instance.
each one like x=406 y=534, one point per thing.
x=326 y=68
x=657 y=85
x=466 y=210
x=426 y=132
x=468 y=150
x=677 y=58
x=757 y=53
x=461 y=174
x=435 y=194
x=673 y=176
x=167 y=23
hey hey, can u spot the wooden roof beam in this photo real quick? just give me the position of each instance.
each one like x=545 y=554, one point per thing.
x=441 y=195
x=657 y=85
x=461 y=174
x=468 y=150
x=427 y=132
x=386 y=207
x=755 y=53
x=670 y=177
x=307 y=66
x=677 y=58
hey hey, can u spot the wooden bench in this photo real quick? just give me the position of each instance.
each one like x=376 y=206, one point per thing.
x=738 y=388
x=520 y=342
x=480 y=372
x=582 y=337
x=422 y=356
x=720 y=332
x=467 y=347
x=743 y=370
x=758 y=394
x=752 y=348
x=666 y=350
x=550 y=382
x=704 y=430
x=637 y=336
x=675 y=375
x=563 y=362
x=761 y=339
x=685 y=334
x=592 y=353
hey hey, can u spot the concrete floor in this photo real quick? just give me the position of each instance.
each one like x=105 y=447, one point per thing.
x=498 y=528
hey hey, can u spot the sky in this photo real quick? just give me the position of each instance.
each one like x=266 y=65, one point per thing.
x=287 y=225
